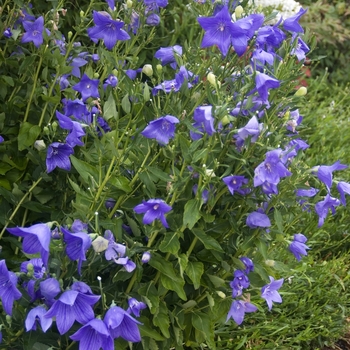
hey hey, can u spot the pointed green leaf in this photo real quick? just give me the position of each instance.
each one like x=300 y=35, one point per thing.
x=85 y=170
x=110 y=108
x=278 y=220
x=126 y=104
x=170 y=243
x=195 y=271
x=209 y=242
x=169 y=278
x=161 y=319
x=191 y=213
x=121 y=182
x=28 y=134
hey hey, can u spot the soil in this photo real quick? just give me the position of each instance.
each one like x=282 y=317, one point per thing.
x=341 y=344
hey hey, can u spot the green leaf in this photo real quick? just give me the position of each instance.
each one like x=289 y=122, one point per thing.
x=170 y=243
x=195 y=271
x=191 y=213
x=209 y=242
x=110 y=108
x=278 y=220
x=149 y=332
x=133 y=225
x=169 y=278
x=126 y=104
x=183 y=261
x=150 y=295
x=203 y=324
x=184 y=145
x=175 y=285
x=85 y=170
x=121 y=182
x=161 y=319
x=161 y=175
x=28 y=134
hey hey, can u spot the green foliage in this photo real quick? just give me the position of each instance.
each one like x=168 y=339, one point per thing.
x=186 y=283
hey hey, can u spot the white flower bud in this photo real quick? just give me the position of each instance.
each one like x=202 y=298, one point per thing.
x=148 y=70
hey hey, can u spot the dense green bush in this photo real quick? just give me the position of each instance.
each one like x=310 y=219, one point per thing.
x=129 y=197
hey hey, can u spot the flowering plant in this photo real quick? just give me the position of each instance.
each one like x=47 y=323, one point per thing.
x=150 y=174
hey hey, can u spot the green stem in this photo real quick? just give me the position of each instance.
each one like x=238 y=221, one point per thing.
x=34 y=86
x=18 y=206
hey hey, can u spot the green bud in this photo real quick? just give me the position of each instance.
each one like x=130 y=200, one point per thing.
x=115 y=72
x=54 y=126
x=212 y=79
x=159 y=68
x=46 y=130
x=129 y=4
x=302 y=91
x=8 y=319
x=96 y=75
x=82 y=14
x=70 y=34
x=225 y=120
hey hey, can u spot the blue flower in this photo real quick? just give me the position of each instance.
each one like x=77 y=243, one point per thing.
x=153 y=209
x=325 y=172
x=234 y=184
x=37 y=314
x=248 y=263
x=269 y=292
x=36 y=239
x=70 y=307
x=166 y=55
x=146 y=257
x=76 y=245
x=161 y=129
x=257 y=219
x=87 y=87
x=75 y=128
x=135 y=306
x=34 y=31
x=8 y=290
x=323 y=207
x=93 y=336
x=343 y=188
x=298 y=246
x=121 y=324
x=204 y=122
x=107 y=29
x=238 y=310
x=291 y=24
x=271 y=170
x=263 y=83
x=58 y=156
x=239 y=282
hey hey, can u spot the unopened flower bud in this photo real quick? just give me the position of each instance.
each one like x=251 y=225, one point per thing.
x=54 y=126
x=39 y=145
x=225 y=120
x=64 y=12
x=159 y=68
x=8 y=319
x=46 y=130
x=96 y=75
x=270 y=263
x=115 y=72
x=82 y=14
x=212 y=79
x=302 y=91
x=100 y=244
x=70 y=34
x=148 y=70
x=221 y=294
x=146 y=257
x=129 y=4
x=238 y=11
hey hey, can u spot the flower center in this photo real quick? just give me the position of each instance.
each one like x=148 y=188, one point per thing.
x=155 y=207
x=165 y=125
x=35 y=33
x=222 y=27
